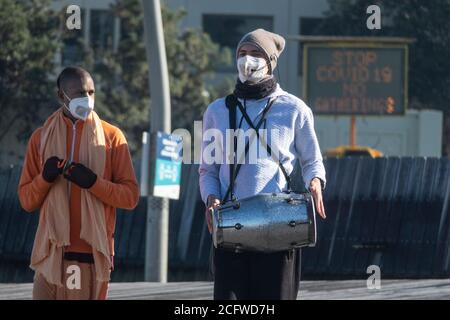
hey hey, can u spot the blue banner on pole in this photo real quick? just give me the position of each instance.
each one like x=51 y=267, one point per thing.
x=167 y=165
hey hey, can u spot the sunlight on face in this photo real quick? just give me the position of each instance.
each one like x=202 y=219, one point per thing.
x=251 y=50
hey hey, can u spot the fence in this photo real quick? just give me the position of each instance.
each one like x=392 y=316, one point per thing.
x=392 y=212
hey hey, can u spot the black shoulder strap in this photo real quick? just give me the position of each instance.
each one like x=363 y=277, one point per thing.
x=264 y=143
x=231 y=102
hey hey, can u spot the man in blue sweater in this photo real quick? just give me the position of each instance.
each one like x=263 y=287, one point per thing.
x=290 y=123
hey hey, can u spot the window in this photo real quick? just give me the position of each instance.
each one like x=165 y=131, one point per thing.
x=227 y=30
x=101 y=30
x=308 y=27
x=72 y=50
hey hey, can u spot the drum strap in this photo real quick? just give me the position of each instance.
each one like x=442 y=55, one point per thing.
x=232 y=102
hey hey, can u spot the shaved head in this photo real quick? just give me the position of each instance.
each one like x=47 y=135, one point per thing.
x=70 y=74
x=74 y=82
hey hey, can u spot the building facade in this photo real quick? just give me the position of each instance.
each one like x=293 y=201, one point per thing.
x=226 y=22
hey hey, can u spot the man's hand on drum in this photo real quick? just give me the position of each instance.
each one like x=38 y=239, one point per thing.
x=315 y=188
x=211 y=203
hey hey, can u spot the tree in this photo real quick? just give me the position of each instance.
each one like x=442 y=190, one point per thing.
x=427 y=22
x=122 y=77
x=28 y=33
x=32 y=35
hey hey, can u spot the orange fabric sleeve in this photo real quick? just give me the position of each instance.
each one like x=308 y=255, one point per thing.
x=122 y=191
x=32 y=188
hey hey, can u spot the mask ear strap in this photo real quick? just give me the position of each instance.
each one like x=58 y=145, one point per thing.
x=65 y=95
x=64 y=103
x=273 y=57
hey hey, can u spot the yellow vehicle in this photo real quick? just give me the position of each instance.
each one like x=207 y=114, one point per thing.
x=351 y=151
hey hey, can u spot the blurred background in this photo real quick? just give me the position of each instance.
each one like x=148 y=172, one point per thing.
x=388 y=208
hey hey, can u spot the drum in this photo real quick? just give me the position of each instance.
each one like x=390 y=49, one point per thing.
x=266 y=222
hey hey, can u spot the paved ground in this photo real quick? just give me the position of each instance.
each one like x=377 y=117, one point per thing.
x=316 y=290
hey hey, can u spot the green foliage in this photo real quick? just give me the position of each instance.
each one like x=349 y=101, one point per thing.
x=31 y=35
x=28 y=33
x=122 y=77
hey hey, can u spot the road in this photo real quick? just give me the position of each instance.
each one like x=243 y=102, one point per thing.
x=310 y=290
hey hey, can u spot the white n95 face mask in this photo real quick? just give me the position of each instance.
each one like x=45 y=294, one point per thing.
x=251 y=69
x=81 y=107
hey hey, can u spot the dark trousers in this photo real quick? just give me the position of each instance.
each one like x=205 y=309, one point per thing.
x=255 y=275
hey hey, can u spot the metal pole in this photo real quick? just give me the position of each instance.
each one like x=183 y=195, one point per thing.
x=157 y=229
x=145 y=164
x=353 y=131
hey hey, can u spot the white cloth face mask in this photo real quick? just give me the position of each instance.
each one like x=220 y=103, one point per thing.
x=81 y=107
x=251 y=68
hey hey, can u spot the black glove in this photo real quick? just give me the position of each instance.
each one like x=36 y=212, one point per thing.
x=53 y=167
x=80 y=175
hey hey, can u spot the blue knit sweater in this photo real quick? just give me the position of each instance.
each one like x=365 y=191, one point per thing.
x=294 y=136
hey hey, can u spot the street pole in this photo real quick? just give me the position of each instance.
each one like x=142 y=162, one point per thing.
x=353 y=131
x=157 y=223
